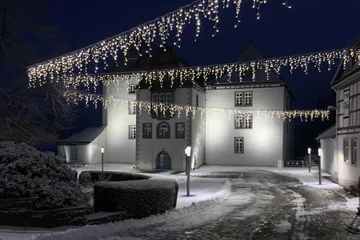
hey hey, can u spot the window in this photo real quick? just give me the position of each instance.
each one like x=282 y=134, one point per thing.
x=147 y=130
x=161 y=97
x=239 y=145
x=243 y=99
x=169 y=99
x=154 y=97
x=132 y=108
x=132 y=132
x=163 y=130
x=241 y=121
x=346 y=103
x=180 y=130
x=73 y=154
x=346 y=150
x=354 y=151
x=132 y=88
x=197 y=101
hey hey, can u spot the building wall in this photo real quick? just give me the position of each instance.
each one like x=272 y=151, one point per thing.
x=119 y=148
x=95 y=148
x=328 y=156
x=83 y=153
x=263 y=144
x=198 y=129
x=148 y=149
x=348 y=127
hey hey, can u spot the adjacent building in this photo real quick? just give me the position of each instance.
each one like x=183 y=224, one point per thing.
x=340 y=143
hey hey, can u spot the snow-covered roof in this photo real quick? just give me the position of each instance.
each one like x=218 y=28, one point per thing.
x=85 y=136
x=328 y=133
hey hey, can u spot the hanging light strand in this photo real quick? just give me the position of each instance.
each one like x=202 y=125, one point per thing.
x=239 y=69
x=190 y=111
x=141 y=36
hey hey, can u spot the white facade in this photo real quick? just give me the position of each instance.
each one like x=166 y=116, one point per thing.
x=119 y=146
x=83 y=151
x=263 y=142
x=143 y=139
x=345 y=147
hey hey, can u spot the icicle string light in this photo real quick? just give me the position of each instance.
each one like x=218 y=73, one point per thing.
x=141 y=36
x=228 y=71
x=177 y=110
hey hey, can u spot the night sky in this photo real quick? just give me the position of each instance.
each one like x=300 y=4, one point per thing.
x=310 y=26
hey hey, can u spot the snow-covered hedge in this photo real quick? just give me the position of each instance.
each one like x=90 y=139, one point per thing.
x=95 y=176
x=139 y=199
x=26 y=172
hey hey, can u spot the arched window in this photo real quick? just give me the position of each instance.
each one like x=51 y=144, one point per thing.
x=163 y=130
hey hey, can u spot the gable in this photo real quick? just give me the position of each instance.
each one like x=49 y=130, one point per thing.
x=351 y=67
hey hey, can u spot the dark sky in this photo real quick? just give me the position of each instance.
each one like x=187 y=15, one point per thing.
x=310 y=26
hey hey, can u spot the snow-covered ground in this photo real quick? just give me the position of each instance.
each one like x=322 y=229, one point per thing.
x=202 y=205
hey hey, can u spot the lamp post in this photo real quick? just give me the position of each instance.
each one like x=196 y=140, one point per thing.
x=320 y=155
x=188 y=154
x=102 y=158
x=309 y=152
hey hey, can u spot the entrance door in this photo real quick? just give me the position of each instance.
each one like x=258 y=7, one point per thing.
x=163 y=160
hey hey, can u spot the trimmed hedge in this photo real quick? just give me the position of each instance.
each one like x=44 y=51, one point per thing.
x=86 y=177
x=139 y=199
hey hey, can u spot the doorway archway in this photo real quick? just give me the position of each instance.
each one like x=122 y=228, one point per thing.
x=163 y=160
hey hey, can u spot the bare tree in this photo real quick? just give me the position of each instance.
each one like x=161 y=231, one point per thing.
x=27 y=114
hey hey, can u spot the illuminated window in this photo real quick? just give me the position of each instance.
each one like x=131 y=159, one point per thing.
x=346 y=103
x=239 y=145
x=243 y=99
x=243 y=121
x=132 y=108
x=132 y=132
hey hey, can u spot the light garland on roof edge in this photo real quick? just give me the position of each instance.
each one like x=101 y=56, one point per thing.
x=215 y=71
x=143 y=35
x=191 y=111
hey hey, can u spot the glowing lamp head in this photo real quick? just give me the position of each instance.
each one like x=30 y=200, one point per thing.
x=102 y=149
x=309 y=150
x=319 y=152
x=188 y=151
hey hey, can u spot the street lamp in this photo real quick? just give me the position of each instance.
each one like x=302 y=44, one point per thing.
x=309 y=152
x=102 y=158
x=188 y=154
x=320 y=156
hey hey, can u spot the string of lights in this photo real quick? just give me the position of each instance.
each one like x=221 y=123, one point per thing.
x=76 y=97
x=144 y=35
x=215 y=72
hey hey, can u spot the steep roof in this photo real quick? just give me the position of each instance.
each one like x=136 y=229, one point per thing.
x=87 y=135
x=328 y=133
x=340 y=74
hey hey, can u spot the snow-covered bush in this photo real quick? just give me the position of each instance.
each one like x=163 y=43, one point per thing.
x=139 y=199
x=85 y=178
x=97 y=176
x=26 y=172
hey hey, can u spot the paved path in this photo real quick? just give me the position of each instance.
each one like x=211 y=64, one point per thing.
x=262 y=205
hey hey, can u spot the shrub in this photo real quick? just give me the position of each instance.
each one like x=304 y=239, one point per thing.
x=85 y=178
x=26 y=172
x=138 y=199
x=97 y=176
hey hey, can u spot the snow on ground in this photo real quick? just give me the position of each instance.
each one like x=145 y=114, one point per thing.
x=105 y=230
x=201 y=189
